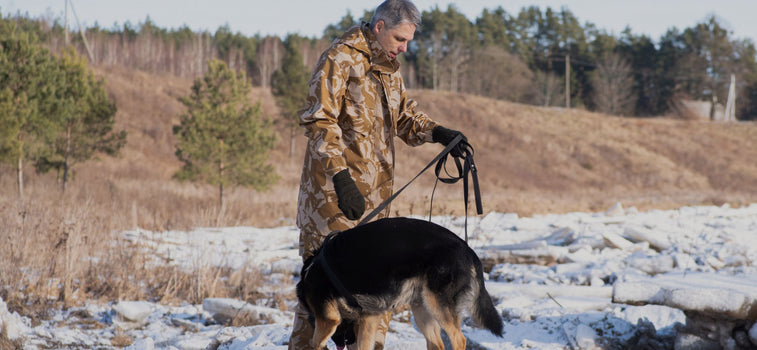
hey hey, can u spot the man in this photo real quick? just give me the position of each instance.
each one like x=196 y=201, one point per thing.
x=357 y=104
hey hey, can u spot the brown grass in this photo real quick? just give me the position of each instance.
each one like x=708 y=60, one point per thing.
x=65 y=248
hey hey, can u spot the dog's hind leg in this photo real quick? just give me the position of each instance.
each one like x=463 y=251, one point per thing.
x=326 y=325
x=451 y=324
x=447 y=317
x=367 y=326
x=428 y=326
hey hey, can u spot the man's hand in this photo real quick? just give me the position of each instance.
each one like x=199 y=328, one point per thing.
x=350 y=200
x=444 y=136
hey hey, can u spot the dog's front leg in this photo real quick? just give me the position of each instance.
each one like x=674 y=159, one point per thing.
x=324 y=329
x=367 y=326
x=325 y=326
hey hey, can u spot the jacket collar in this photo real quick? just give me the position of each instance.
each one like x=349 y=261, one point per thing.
x=361 y=38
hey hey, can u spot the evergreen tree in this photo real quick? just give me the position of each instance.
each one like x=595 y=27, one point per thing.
x=444 y=46
x=14 y=111
x=24 y=68
x=642 y=54
x=334 y=31
x=83 y=116
x=492 y=27
x=290 y=85
x=223 y=139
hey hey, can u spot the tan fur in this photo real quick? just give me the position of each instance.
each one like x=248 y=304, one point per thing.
x=447 y=318
x=367 y=326
x=325 y=327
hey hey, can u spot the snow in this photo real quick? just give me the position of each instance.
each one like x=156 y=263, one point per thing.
x=578 y=280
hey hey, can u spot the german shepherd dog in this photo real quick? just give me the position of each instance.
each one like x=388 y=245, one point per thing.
x=379 y=266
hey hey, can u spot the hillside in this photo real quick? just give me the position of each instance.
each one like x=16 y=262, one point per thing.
x=531 y=160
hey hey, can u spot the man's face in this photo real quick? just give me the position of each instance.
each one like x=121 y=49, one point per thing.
x=394 y=41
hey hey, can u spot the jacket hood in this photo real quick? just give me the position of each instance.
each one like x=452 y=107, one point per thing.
x=362 y=39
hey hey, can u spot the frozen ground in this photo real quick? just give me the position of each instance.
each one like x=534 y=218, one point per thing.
x=552 y=279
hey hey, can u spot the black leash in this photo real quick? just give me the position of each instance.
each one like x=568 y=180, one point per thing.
x=467 y=168
x=320 y=258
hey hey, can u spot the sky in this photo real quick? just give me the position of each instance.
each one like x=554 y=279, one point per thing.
x=310 y=17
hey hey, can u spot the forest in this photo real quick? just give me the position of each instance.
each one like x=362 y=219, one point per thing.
x=521 y=57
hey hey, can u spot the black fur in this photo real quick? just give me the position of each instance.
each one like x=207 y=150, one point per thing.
x=375 y=260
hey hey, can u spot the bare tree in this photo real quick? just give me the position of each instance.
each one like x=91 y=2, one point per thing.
x=268 y=60
x=494 y=72
x=613 y=85
x=550 y=90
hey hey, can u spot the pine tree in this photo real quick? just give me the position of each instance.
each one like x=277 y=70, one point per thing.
x=223 y=139
x=84 y=117
x=290 y=85
x=24 y=67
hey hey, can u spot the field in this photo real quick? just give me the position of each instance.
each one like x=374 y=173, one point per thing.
x=64 y=247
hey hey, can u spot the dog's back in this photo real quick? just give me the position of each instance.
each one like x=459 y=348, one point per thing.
x=398 y=261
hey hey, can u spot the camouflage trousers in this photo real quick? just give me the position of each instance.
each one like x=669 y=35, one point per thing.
x=302 y=332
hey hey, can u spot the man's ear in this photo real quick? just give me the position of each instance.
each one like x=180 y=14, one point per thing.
x=379 y=26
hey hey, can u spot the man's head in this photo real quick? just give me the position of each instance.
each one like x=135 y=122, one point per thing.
x=394 y=24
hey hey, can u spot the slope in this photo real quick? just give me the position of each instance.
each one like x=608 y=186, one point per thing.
x=531 y=160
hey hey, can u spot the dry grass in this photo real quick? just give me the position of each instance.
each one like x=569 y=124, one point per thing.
x=64 y=248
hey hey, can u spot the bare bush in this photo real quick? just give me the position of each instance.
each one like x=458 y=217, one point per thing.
x=494 y=72
x=550 y=89
x=613 y=86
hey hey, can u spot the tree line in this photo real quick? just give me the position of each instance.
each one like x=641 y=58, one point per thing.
x=55 y=113
x=519 y=57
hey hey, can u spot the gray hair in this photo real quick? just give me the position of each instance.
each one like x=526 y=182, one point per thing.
x=396 y=12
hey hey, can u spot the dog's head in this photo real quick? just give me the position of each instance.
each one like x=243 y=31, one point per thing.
x=344 y=334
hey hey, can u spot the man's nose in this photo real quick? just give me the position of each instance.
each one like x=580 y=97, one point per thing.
x=402 y=48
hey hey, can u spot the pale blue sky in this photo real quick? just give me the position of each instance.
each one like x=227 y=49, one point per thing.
x=310 y=17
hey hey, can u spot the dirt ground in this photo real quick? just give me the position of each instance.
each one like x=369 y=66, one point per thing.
x=531 y=160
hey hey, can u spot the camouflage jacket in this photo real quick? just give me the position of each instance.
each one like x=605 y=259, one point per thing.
x=356 y=105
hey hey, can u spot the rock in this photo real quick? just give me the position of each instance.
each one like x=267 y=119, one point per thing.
x=653 y=265
x=132 y=314
x=225 y=310
x=656 y=239
x=586 y=337
x=615 y=210
x=11 y=323
x=753 y=334
x=686 y=341
x=142 y=344
x=720 y=296
x=616 y=241
x=136 y=311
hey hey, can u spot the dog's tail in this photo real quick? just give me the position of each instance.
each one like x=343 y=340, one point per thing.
x=483 y=311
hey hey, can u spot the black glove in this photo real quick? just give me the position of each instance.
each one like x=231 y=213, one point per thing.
x=444 y=136
x=350 y=200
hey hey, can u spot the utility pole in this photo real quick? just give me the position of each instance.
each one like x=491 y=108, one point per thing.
x=730 y=106
x=567 y=81
x=65 y=23
x=81 y=32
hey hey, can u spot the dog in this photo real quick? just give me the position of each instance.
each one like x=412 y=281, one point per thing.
x=360 y=274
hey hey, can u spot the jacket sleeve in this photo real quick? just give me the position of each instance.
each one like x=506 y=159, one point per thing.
x=321 y=114
x=413 y=126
